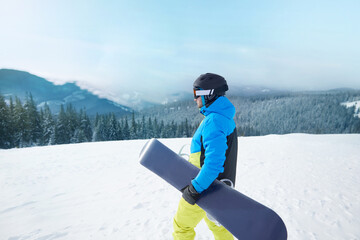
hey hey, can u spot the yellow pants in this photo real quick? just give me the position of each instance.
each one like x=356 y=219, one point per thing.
x=186 y=219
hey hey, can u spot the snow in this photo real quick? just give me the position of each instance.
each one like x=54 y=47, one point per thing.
x=100 y=191
x=355 y=104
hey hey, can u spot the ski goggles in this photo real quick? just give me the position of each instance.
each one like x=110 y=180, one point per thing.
x=200 y=92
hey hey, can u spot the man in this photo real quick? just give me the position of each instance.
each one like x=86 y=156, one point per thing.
x=213 y=150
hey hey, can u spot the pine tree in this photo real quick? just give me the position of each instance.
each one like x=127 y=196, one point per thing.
x=187 y=129
x=85 y=127
x=114 y=128
x=96 y=136
x=48 y=126
x=20 y=124
x=101 y=131
x=62 y=131
x=11 y=128
x=156 y=128
x=126 y=129
x=142 y=131
x=133 y=128
x=97 y=118
x=79 y=133
x=180 y=130
x=163 y=132
x=33 y=131
x=5 y=139
x=149 y=129
x=72 y=121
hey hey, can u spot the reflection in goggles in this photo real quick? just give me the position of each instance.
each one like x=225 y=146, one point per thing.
x=198 y=93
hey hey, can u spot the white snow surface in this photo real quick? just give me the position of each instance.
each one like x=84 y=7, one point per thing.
x=100 y=191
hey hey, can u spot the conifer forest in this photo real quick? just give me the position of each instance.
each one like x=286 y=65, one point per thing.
x=24 y=124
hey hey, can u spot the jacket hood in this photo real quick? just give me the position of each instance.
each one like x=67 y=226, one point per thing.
x=221 y=106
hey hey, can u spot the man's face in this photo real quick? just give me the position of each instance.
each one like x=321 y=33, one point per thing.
x=198 y=102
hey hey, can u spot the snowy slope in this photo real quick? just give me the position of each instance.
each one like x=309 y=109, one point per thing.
x=100 y=191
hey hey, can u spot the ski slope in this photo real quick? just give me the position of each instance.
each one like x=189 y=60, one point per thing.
x=100 y=191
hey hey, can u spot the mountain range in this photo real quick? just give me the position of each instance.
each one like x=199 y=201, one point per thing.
x=19 y=83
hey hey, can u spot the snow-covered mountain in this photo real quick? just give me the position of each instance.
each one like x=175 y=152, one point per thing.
x=19 y=83
x=100 y=191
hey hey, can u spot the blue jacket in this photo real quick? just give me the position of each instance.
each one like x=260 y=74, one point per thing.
x=214 y=145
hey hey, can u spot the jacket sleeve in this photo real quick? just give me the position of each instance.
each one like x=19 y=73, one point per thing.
x=215 y=145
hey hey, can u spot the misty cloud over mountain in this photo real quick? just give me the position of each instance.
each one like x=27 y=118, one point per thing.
x=18 y=83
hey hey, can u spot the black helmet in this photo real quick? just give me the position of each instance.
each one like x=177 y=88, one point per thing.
x=210 y=86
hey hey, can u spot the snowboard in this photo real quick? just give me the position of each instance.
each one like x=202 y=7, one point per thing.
x=242 y=216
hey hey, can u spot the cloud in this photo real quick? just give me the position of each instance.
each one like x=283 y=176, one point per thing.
x=126 y=47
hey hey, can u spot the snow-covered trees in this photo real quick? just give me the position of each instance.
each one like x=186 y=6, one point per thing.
x=108 y=128
x=47 y=126
x=62 y=129
x=5 y=137
x=312 y=112
x=23 y=124
x=33 y=124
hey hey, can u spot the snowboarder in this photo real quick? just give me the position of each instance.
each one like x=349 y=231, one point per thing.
x=213 y=150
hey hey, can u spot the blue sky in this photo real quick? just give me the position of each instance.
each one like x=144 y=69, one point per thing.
x=158 y=47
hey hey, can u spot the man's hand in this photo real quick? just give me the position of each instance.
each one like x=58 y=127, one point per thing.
x=190 y=194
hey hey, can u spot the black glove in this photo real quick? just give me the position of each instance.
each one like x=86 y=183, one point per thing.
x=190 y=194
